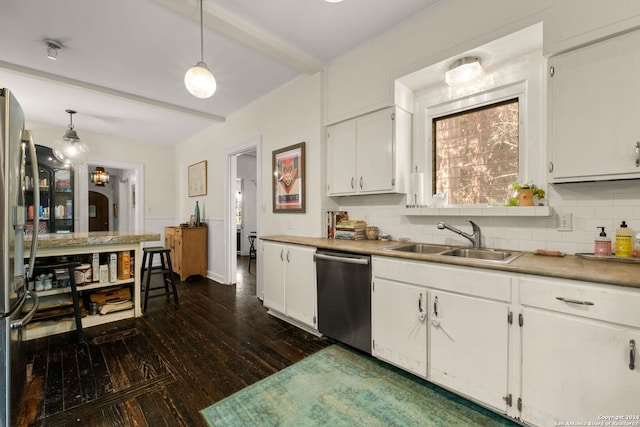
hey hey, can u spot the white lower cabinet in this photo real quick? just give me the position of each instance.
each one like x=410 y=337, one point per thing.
x=289 y=281
x=398 y=325
x=579 y=345
x=469 y=346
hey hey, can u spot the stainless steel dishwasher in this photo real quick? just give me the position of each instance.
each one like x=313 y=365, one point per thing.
x=344 y=297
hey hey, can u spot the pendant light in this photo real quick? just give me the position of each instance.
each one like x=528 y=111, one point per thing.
x=70 y=149
x=100 y=177
x=198 y=79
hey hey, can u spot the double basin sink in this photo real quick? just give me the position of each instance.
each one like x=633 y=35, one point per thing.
x=478 y=254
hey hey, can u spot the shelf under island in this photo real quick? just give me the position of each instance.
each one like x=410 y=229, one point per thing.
x=108 y=278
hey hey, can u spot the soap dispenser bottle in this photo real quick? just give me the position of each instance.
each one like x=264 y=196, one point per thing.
x=624 y=241
x=602 y=244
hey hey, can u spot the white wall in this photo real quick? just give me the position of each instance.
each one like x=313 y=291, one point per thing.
x=160 y=190
x=288 y=116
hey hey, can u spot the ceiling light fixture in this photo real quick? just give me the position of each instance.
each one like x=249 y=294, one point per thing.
x=52 y=48
x=464 y=70
x=70 y=149
x=100 y=177
x=198 y=79
x=333 y=1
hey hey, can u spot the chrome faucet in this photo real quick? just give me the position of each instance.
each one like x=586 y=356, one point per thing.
x=474 y=238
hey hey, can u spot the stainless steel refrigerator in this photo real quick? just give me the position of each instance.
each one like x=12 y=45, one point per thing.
x=17 y=145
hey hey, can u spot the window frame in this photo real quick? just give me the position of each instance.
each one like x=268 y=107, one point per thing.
x=521 y=78
x=460 y=113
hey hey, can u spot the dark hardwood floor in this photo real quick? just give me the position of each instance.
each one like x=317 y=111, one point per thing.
x=161 y=369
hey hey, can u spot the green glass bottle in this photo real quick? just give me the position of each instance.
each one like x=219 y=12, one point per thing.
x=197 y=215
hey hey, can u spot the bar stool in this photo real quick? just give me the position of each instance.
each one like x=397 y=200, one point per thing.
x=252 y=248
x=165 y=268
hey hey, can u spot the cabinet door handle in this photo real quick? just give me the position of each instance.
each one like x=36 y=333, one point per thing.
x=361 y=183
x=420 y=304
x=281 y=254
x=638 y=154
x=632 y=354
x=435 y=306
x=574 y=301
x=353 y=182
x=288 y=256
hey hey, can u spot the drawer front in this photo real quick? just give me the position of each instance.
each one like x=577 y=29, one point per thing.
x=466 y=280
x=591 y=300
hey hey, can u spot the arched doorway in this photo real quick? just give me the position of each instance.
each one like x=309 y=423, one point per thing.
x=98 y=212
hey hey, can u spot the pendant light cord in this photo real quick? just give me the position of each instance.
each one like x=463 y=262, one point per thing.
x=201 y=34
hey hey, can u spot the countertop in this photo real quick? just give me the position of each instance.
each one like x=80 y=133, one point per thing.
x=566 y=267
x=91 y=239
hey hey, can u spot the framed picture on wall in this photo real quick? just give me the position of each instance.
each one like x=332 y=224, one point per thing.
x=198 y=179
x=289 y=179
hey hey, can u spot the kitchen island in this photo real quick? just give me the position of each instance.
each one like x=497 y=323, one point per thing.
x=121 y=283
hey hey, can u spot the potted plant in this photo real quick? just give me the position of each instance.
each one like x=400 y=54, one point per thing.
x=525 y=193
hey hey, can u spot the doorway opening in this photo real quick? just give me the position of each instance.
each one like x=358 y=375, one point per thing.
x=242 y=202
x=123 y=198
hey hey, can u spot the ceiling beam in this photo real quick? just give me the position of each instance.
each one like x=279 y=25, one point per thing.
x=31 y=72
x=222 y=22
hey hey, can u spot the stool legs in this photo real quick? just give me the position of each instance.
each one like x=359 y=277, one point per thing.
x=168 y=277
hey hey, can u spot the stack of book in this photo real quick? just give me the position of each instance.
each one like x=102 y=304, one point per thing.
x=351 y=229
x=333 y=218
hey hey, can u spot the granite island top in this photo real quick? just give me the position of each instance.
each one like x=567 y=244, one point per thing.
x=92 y=238
x=566 y=267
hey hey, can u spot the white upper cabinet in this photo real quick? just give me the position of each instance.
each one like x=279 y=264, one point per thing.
x=572 y=23
x=593 y=112
x=370 y=154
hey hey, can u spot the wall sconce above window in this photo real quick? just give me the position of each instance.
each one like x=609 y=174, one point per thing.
x=100 y=177
x=464 y=70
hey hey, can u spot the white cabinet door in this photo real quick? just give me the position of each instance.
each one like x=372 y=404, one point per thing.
x=273 y=275
x=341 y=158
x=300 y=284
x=398 y=325
x=369 y=154
x=577 y=369
x=468 y=346
x=375 y=165
x=593 y=112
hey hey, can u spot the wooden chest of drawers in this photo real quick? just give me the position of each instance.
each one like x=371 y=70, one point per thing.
x=188 y=250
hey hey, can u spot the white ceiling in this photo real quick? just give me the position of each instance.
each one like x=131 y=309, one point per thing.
x=122 y=63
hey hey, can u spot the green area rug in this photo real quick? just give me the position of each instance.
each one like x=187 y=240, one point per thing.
x=340 y=387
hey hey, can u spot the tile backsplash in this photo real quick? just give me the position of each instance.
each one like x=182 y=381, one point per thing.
x=591 y=205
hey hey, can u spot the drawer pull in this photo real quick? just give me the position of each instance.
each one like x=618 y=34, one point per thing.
x=574 y=301
x=632 y=354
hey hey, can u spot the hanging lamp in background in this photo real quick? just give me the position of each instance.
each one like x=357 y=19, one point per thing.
x=198 y=79
x=100 y=177
x=70 y=149
x=464 y=70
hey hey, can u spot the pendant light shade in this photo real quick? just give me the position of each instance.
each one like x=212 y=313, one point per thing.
x=70 y=149
x=199 y=80
x=100 y=177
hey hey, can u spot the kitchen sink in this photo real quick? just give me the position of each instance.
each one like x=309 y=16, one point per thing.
x=492 y=255
x=420 y=248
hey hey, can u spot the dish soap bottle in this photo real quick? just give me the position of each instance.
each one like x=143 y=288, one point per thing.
x=602 y=244
x=624 y=241
x=636 y=246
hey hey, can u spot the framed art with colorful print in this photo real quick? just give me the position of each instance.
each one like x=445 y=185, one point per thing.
x=289 y=179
